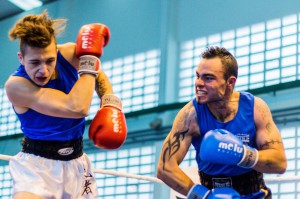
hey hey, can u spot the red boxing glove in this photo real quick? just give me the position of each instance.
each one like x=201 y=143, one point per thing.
x=108 y=129
x=91 y=39
x=89 y=44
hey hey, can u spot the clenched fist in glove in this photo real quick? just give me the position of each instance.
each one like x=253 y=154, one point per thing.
x=222 y=147
x=89 y=44
x=108 y=129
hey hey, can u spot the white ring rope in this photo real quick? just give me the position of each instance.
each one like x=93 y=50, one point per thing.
x=128 y=175
x=153 y=179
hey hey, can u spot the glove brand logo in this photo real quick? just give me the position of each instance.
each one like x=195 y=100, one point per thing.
x=115 y=120
x=65 y=151
x=230 y=147
x=85 y=37
x=244 y=137
x=111 y=100
x=88 y=64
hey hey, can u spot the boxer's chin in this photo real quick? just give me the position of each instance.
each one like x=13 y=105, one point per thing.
x=200 y=100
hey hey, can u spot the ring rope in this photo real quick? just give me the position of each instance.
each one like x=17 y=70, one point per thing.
x=153 y=179
x=128 y=175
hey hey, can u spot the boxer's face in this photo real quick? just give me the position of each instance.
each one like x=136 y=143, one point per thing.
x=40 y=63
x=210 y=85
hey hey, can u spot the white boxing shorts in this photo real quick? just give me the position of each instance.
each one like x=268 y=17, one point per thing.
x=53 y=179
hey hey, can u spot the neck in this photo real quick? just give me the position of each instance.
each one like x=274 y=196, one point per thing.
x=226 y=109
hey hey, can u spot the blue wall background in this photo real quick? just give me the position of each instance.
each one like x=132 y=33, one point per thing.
x=137 y=26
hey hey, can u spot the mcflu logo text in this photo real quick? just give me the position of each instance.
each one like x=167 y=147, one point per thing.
x=230 y=147
x=85 y=37
x=115 y=120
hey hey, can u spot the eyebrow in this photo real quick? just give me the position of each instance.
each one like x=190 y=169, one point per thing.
x=50 y=58
x=206 y=74
x=33 y=60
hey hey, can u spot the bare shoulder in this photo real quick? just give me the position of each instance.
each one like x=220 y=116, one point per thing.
x=68 y=47
x=14 y=82
x=186 y=119
x=18 y=89
x=187 y=112
x=262 y=113
x=68 y=52
x=260 y=106
x=259 y=100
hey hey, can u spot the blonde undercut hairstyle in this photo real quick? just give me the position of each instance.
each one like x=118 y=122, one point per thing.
x=36 y=30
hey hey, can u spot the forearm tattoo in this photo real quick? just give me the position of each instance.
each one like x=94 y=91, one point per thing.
x=172 y=146
x=100 y=87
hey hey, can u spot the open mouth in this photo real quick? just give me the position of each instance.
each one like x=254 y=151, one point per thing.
x=41 y=79
x=199 y=92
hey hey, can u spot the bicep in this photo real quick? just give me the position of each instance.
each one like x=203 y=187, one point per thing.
x=175 y=147
x=267 y=133
x=177 y=143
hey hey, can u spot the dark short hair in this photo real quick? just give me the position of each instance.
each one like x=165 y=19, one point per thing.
x=228 y=60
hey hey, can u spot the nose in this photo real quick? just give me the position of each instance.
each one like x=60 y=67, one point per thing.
x=43 y=69
x=199 y=82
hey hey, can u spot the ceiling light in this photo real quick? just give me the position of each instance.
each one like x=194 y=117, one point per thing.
x=26 y=4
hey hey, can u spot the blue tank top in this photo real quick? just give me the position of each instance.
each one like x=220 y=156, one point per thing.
x=38 y=126
x=242 y=125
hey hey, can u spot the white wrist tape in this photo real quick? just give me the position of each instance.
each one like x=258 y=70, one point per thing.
x=111 y=100
x=89 y=64
x=250 y=157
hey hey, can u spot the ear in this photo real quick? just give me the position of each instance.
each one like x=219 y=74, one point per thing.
x=231 y=81
x=20 y=56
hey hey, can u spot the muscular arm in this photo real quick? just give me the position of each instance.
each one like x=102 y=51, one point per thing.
x=272 y=157
x=24 y=94
x=174 y=149
x=103 y=85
